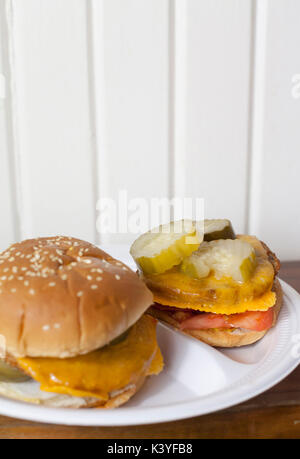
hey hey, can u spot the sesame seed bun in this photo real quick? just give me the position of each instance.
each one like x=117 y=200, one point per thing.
x=223 y=337
x=62 y=297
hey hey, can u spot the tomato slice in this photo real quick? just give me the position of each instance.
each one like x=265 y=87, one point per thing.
x=204 y=321
x=252 y=320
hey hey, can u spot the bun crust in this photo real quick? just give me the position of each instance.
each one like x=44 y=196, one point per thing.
x=62 y=297
x=223 y=337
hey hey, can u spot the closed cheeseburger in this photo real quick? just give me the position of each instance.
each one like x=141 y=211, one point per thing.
x=71 y=320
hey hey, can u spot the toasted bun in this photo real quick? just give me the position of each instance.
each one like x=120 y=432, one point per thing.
x=62 y=297
x=223 y=337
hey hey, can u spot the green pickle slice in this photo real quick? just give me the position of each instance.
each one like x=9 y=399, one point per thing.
x=11 y=374
x=225 y=258
x=162 y=248
x=218 y=229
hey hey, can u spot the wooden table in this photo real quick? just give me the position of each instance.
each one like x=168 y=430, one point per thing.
x=274 y=414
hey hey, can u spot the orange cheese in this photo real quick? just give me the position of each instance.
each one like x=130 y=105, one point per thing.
x=262 y=303
x=104 y=371
x=223 y=296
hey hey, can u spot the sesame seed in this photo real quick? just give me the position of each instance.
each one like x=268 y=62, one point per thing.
x=64 y=277
x=5 y=270
x=57 y=326
x=46 y=327
x=20 y=278
x=31 y=292
x=26 y=283
x=13 y=290
x=99 y=279
x=52 y=284
x=3 y=278
x=100 y=271
x=89 y=278
x=15 y=269
x=94 y=287
x=88 y=262
x=117 y=277
x=79 y=294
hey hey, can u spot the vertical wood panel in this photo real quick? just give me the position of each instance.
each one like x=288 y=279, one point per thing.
x=50 y=39
x=216 y=111
x=8 y=229
x=278 y=201
x=132 y=69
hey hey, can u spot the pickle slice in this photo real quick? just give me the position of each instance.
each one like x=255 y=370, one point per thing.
x=218 y=229
x=120 y=338
x=166 y=246
x=225 y=258
x=11 y=374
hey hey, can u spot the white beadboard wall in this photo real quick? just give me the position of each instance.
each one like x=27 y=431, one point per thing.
x=217 y=80
x=9 y=221
x=161 y=98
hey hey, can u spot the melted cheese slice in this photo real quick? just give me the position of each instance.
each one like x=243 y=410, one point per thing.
x=102 y=372
x=263 y=303
x=222 y=296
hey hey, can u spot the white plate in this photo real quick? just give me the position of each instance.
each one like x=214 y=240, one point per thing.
x=197 y=379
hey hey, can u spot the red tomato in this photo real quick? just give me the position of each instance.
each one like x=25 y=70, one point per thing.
x=205 y=321
x=254 y=320
x=251 y=320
